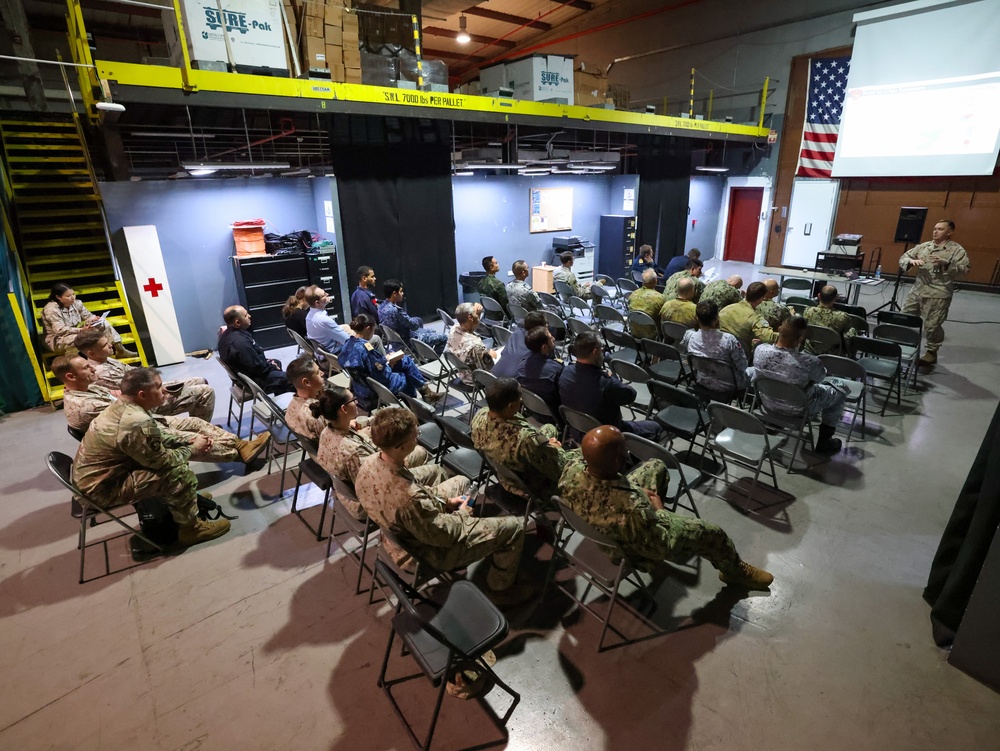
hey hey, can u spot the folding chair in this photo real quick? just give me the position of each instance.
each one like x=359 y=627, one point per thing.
x=463 y=458
x=822 y=340
x=793 y=285
x=396 y=341
x=639 y=323
x=61 y=466
x=429 y=433
x=798 y=301
x=501 y=335
x=443 y=638
x=785 y=407
x=310 y=468
x=614 y=293
x=636 y=275
x=908 y=339
x=578 y=307
x=238 y=395
x=602 y=295
x=517 y=312
x=881 y=359
x=682 y=476
x=859 y=324
x=304 y=344
x=855 y=310
x=557 y=326
x=577 y=422
x=673 y=332
x=663 y=361
x=609 y=317
x=523 y=493
x=429 y=363
x=75 y=432
x=638 y=378
x=363 y=531
x=482 y=379
x=593 y=559
x=577 y=327
x=563 y=290
x=446 y=319
x=679 y=411
x=742 y=437
x=538 y=407
x=854 y=375
x=550 y=302
x=281 y=435
x=627 y=286
x=455 y=367
x=493 y=311
x=719 y=371
x=621 y=345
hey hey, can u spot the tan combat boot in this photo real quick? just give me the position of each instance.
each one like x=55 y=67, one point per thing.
x=201 y=531
x=928 y=358
x=121 y=353
x=747 y=576
x=251 y=450
x=430 y=396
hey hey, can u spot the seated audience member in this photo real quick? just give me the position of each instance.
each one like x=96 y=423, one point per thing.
x=742 y=320
x=500 y=431
x=441 y=531
x=125 y=457
x=359 y=358
x=519 y=292
x=539 y=373
x=783 y=361
x=64 y=317
x=344 y=444
x=490 y=286
x=644 y=261
x=363 y=299
x=305 y=375
x=243 y=356
x=681 y=263
x=628 y=508
x=647 y=300
x=192 y=395
x=515 y=352
x=693 y=272
x=321 y=327
x=565 y=274
x=723 y=292
x=681 y=309
x=466 y=344
x=391 y=313
x=770 y=308
x=708 y=341
x=295 y=311
x=84 y=400
x=586 y=387
x=824 y=314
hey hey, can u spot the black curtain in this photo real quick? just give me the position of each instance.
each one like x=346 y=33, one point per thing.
x=966 y=540
x=394 y=186
x=664 y=167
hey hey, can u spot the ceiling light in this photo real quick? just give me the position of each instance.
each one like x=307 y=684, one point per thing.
x=464 y=173
x=235 y=165
x=167 y=134
x=202 y=172
x=110 y=106
x=463 y=33
x=581 y=165
x=712 y=169
x=493 y=165
x=296 y=172
x=535 y=171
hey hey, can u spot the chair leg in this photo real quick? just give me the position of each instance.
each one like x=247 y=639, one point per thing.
x=437 y=705
x=322 y=516
x=83 y=539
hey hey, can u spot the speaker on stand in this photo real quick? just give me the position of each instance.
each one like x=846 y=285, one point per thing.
x=909 y=228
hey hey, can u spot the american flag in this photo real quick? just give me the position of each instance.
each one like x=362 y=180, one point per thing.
x=827 y=87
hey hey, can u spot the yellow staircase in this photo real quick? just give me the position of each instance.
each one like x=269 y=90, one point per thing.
x=60 y=227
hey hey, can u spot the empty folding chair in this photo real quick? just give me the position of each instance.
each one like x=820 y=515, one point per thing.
x=310 y=469
x=856 y=310
x=680 y=412
x=741 y=437
x=557 y=326
x=663 y=361
x=538 y=407
x=602 y=294
x=501 y=335
x=304 y=344
x=822 y=340
x=638 y=378
x=482 y=379
x=577 y=423
x=446 y=319
x=673 y=332
x=851 y=373
x=627 y=286
x=621 y=345
x=517 y=312
x=881 y=359
x=455 y=368
x=429 y=363
x=794 y=286
x=578 y=308
x=614 y=295
x=608 y=317
x=908 y=339
x=682 y=476
x=577 y=327
x=282 y=436
x=429 y=433
x=384 y=395
x=462 y=457
x=550 y=302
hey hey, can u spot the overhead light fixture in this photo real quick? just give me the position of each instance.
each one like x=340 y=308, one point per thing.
x=297 y=172
x=464 y=173
x=712 y=169
x=584 y=165
x=535 y=171
x=463 y=33
x=234 y=165
x=493 y=165
x=201 y=172
x=167 y=134
x=110 y=106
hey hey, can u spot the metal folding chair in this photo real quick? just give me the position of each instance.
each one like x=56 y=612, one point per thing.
x=493 y=311
x=673 y=332
x=281 y=435
x=742 y=437
x=908 y=338
x=638 y=378
x=663 y=361
x=563 y=290
x=682 y=476
x=309 y=468
x=621 y=345
x=238 y=395
x=822 y=340
x=538 y=407
x=363 y=531
x=517 y=312
x=854 y=375
x=679 y=411
x=609 y=317
x=304 y=344
x=794 y=286
x=881 y=359
x=784 y=407
x=717 y=370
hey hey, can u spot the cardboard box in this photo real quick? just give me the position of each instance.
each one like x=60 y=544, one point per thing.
x=314 y=52
x=587 y=98
x=335 y=55
x=536 y=78
x=334 y=16
x=313 y=9
x=313 y=26
x=352 y=57
x=352 y=75
x=350 y=22
x=334 y=36
x=337 y=72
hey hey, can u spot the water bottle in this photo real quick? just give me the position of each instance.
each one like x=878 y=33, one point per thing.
x=878 y=271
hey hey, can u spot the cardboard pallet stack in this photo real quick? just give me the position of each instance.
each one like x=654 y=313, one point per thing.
x=590 y=84
x=328 y=34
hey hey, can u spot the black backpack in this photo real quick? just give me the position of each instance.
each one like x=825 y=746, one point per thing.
x=157 y=523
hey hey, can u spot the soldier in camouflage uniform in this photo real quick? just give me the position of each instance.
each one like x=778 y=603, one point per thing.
x=500 y=431
x=708 y=341
x=64 y=318
x=774 y=312
x=490 y=286
x=938 y=263
x=466 y=344
x=742 y=320
x=304 y=374
x=647 y=300
x=723 y=292
x=628 y=509
x=125 y=457
x=84 y=400
x=824 y=315
x=443 y=532
x=193 y=395
x=565 y=274
x=693 y=273
x=392 y=314
x=519 y=292
x=682 y=308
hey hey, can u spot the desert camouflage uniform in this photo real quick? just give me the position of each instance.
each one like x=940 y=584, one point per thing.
x=125 y=457
x=670 y=288
x=341 y=455
x=805 y=371
x=679 y=311
x=523 y=449
x=562 y=274
x=426 y=528
x=81 y=407
x=717 y=345
x=837 y=320
x=722 y=292
x=468 y=348
x=193 y=395
x=519 y=292
x=931 y=295
x=775 y=313
x=301 y=420
x=63 y=324
x=620 y=509
x=648 y=301
x=743 y=322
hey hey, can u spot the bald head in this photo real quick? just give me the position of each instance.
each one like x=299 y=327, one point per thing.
x=828 y=296
x=735 y=281
x=772 y=289
x=604 y=451
x=649 y=278
x=685 y=288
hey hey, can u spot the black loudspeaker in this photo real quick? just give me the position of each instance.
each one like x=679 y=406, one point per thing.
x=910 y=226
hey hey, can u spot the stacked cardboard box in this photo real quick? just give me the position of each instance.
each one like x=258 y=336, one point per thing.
x=327 y=32
x=590 y=84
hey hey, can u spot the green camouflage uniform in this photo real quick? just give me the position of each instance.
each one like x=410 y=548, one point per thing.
x=931 y=295
x=742 y=321
x=620 y=509
x=680 y=311
x=490 y=286
x=81 y=407
x=193 y=396
x=649 y=301
x=125 y=457
x=341 y=455
x=523 y=449
x=425 y=527
x=837 y=320
x=722 y=292
x=670 y=288
x=775 y=313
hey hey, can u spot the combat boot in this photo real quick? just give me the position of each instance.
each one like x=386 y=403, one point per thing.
x=747 y=576
x=251 y=450
x=928 y=359
x=201 y=531
x=430 y=396
x=826 y=444
x=121 y=353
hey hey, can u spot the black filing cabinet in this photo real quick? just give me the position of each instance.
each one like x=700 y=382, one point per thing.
x=264 y=284
x=616 y=246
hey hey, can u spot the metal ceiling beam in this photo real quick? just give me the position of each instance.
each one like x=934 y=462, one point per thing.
x=495 y=15
x=478 y=38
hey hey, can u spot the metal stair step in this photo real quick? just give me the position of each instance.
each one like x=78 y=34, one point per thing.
x=58 y=211
x=70 y=172
x=45 y=159
x=44 y=147
x=39 y=123
x=58 y=276
x=61 y=227
x=59 y=186
x=60 y=242
x=94 y=255
x=57 y=199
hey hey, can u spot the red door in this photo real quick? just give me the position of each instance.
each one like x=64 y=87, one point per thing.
x=744 y=221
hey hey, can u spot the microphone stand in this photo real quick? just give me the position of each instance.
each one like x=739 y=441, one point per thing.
x=892 y=304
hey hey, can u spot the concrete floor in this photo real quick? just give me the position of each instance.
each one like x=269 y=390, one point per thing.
x=257 y=641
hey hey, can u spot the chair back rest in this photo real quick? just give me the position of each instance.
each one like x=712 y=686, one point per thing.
x=492 y=309
x=454 y=363
x=661 y=350
x=579 y=305
x=237 y=381
x=554 y=321
x=260 y=395
x=859 y=324
x=868 y=346
x=304 y=344
x=843 y=367
x=424 y=352
x=644 y=449
x=598 y=291
x=626 y=285
x=482 y=378
x=620 y=339
x=448 y=320
x=61 y=466
x=629 y=371
x=332 y=361
x=715 y=369
x=609 y=283
x=76 y=432
x=780 y=396
x=394 y=338
x=536 y=405
x=577 y=327
x=638 y=318
x=822 y=339
x=725 y=417
x=501 y=335
x=343 y=490
x=385 y=396
x=517 y=312
x=563 y=290
x=578 y=420
x=673 y=332
x=549 y=300
x=636 y=275
x=423 y=412
x=900 y=334
x=799 y=301
x=666 y=395
x=796 y=283
x=899 y=319
x=308 y=445
x=854 y=310
x=608 y=314
x=509 y=476
x=585 y=528
x=454 y=430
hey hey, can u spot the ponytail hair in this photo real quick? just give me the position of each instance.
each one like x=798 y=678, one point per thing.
x=329 y=402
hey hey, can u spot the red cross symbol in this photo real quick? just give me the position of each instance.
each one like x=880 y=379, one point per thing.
x=153 y=287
